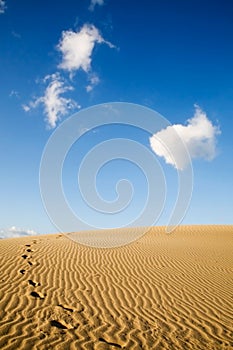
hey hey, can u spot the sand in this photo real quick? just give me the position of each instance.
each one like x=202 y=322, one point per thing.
x=160 y=292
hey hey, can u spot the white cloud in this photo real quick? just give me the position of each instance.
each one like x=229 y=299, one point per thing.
x=199 y=136
x=26 y=108
x=2 y=6
x=13 y=232
x=55 y=106
x=93 y=81
x=14 y=93
x=16 y=35
x=77 y=48
x=95 y=2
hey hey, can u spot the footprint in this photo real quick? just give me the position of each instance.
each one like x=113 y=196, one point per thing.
x=30 y=250
x=57 y=324
x=31 y=263
x=66 y=308
x=34 y=284
x=64 y=324
x=78 y=307
x=109 y=343
x=37 y=295
x=24 y=256
x=22 y=271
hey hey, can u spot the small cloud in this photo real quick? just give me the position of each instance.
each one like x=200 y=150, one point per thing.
x=14 y=93
x=199 y=136
x=2 y=6
x=13 y=232
x=55 y=106
x=77 y=48
x=95 y=2
x=16 y=35
x=93 y=81
x=26 y=108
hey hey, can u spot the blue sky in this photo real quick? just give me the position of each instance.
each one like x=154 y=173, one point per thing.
x=170 y=56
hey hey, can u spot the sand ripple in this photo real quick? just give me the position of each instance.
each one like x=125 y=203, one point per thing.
x=161 y=292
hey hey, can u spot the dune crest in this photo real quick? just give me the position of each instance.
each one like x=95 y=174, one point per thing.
x=160 y=292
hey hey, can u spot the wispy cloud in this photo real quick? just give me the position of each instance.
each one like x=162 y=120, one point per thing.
x=13 y=232
x=54 y=104
x=199 y=136
x=26 y=108
x=93 y=81
x=16 y=35
x=95 y=2
x=77 y=48
x=14 y=93
x=2 y=6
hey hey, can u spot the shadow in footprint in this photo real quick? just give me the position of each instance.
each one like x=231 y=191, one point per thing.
x=27 y=245
x=34 y=284
x=24 y=256
x=66 y=308
x=37 y=295
x=22 y=271
x=109 y=343
x=29 y=250
x=57 y=324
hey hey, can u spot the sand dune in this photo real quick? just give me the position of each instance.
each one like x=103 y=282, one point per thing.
x=160 y=292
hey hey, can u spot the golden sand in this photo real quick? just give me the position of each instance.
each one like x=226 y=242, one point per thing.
x=160 y=292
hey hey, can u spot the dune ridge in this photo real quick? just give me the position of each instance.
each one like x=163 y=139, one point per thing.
x=160 y=292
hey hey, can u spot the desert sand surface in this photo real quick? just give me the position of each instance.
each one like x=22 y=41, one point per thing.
x=161 y=292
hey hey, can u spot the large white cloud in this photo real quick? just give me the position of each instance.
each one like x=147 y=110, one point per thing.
x=13 y=232
x=2 y=6
x=95 y=2
x=198 y=135
x=54 y=104
x=77 y=51
x=77 y=48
